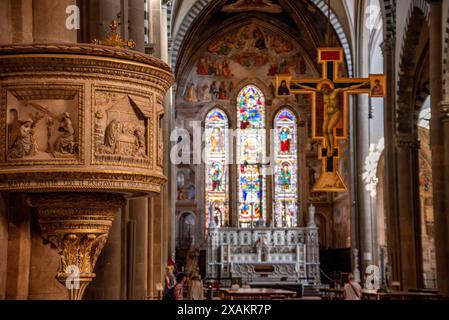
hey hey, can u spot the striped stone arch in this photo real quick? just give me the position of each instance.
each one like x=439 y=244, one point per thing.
x=390 y=18
x=201 y=4
x=418 y=16
x=188 y=20
x=322 y=5
x=446 y=58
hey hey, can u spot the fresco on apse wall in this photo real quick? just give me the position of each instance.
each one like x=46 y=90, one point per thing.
x=250 y=51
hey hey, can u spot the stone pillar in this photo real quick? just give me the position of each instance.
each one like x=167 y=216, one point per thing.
x=136 y=23
x=363 y=203
x=3 y=247
x=150 y=270
x=16 y=21
x=439 y=141
x=441 y=218
x=169 y=193
x=108 y=284
x=100 y=13
x=390 y=186
x=138 y=211
x=157 y=29
x=77 y=225
x=18 y=255
x=406 y=220
x=48 y=29
x=158 y=256
x=5 y=22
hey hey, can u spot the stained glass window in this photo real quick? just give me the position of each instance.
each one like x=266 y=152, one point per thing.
x=285 y=177
x=251 y=149
x=217 y=201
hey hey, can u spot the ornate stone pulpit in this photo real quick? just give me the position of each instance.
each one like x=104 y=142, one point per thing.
x=80 y=128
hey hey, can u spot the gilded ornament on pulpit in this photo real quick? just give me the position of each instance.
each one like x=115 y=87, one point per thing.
x=113 y=39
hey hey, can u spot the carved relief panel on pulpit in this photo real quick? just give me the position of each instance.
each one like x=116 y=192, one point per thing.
x=43 y=124
x=121 y=128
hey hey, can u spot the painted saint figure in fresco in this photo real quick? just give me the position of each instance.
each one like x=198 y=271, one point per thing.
x=377 y=90
x=259 y=40
x=214 y=90
x=285 y=139
x=273 y=70
x=191 y=93
x=202 y=68
x=226 y=69
x=283 y=89
x=222 y=91
x=207 y=95
x=284 y=68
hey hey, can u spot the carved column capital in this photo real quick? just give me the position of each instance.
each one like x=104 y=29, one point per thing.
x=77 y=225
x=444 y=110
x=388 y=45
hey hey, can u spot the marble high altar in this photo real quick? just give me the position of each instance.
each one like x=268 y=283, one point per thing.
x=265 y=255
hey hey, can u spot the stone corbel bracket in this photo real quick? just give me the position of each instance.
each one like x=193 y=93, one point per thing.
x=77 y=225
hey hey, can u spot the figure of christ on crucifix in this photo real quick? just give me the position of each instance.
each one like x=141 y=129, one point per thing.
x=333 y=110
x=329 y=106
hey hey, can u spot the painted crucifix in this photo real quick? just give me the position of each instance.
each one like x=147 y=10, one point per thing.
x=330 y=110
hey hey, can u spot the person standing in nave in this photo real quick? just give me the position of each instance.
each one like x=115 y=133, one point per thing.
x=170 y=281
x=179 y=287
x=196 y=291
x=352 y=290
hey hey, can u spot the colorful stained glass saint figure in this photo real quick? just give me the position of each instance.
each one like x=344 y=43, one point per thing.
x=251 y=144
x=216 y=175
x=251 y=103
x=286 y=176
x=285 y=139
x=216 y=153
x=286 y=169
x=216 y=140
